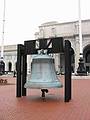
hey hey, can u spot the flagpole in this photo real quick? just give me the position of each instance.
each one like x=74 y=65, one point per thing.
x=2 y=65
x=80 y=28
x=3 y=30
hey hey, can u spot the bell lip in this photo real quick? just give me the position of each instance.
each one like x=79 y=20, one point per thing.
x=34 y=85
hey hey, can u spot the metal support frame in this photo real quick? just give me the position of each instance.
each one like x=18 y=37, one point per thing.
x=67 y=71
x=29 y=48
x=21 y=71
x=24 y=72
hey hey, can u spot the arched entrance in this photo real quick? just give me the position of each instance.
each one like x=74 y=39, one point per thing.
x=73 y=61
x=9 y=66
x=62 y=60
x=16 y=66
x=86 y=53
x=2 y=67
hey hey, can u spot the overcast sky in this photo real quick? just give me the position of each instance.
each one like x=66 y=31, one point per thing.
x=24 y=16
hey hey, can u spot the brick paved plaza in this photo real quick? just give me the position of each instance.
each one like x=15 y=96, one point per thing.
x=32 y=107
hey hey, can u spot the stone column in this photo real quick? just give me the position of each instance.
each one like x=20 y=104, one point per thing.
x=28 y=64
x=77 y=53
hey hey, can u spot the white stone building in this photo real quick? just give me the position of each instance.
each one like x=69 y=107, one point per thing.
x=69 y=31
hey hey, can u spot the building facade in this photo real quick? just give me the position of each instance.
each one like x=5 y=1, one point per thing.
x=69 y=31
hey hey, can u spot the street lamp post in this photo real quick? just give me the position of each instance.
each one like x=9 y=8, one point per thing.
x=81 y=69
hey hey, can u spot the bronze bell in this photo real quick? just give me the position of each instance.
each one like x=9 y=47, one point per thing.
x=43 y=74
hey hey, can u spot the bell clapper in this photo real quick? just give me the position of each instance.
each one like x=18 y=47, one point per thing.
x=43 y=92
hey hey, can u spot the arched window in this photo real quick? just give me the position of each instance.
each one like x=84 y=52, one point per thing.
x=9 y=66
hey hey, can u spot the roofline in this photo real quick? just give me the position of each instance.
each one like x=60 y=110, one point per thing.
x=46 y=25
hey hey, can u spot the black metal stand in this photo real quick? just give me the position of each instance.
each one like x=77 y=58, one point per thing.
x=29 y=48
x=81 y=69
x=67 y=71
x=21 y=71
